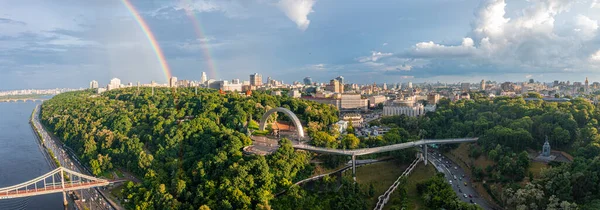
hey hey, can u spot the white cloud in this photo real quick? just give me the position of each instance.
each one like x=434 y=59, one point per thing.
x=427 y=49
x=586 y=26
x=374 y=56
x=595 y=4
x=231 y=8
x=527 y=40
x=595 y=57
x=528 y=76
x=297 y=11
x=384 y=44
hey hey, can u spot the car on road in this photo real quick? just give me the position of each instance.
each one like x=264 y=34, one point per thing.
x=465 y=183
x=465 y=195
x=455 y=168
x=459 y=190
x=450 y=182
x=470 y=196
x=471 y=201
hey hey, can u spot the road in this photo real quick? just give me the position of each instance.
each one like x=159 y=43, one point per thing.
x=88 y=197
x=451 y=169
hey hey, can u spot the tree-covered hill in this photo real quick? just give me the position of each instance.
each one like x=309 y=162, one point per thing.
x=186 y=146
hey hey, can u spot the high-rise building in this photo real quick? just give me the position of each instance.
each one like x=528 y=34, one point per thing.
x=173 y=82
x=308 y=81
x=235 y=81
x=340 y=79
x=384 y=86
x=433 y=98
x=203 y=78
x=94 y=84
x=115 y=83
x=256 y=79
x=334 y=86
x=269 y=81
x=465 y=86
x=482 y=85
x=409 y=84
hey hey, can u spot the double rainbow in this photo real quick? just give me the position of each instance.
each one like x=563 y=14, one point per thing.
x=156 y=47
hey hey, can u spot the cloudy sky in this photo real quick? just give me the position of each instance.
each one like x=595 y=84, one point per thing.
x=67 y=43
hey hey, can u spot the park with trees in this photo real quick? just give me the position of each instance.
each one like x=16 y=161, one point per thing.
x=186 y=147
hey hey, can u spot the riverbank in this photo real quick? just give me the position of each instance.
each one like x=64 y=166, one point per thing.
x=68 y=158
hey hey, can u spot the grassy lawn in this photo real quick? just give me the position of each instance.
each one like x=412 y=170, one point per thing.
x=119 y=174
x=382 y=175
x=419 y=174
x=116 y=191
x=536 y=168
x=107 y=175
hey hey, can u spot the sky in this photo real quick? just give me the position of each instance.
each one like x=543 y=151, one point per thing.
x=68 y=43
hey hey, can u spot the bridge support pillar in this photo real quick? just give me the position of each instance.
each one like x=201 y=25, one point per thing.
x=425 y=153
x=354 y=167
x=62 y=181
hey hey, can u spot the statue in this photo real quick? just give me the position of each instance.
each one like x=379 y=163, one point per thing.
x=546 y=148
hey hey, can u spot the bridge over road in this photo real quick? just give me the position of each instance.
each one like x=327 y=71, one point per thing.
x=388 y=148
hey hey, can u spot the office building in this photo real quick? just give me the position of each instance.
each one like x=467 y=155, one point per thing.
x=308 y=81
x=94 y=84
x=340 y=79
x=384 y=86
x=256 y=79
x=335 y=86
x=235 y=81
x=353 y=101
x=173 y=82
x=203 y=78
x=115 y=83
x=433 y=98
x=401 y=107
x=374 y=100
x=482 y=85
x=410 y=85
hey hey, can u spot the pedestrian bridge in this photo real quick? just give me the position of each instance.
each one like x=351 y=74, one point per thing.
x=58 y=180
x=388 y=148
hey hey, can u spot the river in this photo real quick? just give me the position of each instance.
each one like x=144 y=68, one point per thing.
x=21 y=157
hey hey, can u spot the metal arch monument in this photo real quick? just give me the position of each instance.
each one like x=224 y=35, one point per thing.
x=295 y=120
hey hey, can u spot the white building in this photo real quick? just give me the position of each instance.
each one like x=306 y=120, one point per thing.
x=295 y=94
x=203 y=78
x=374 y=100
x=173 y=82
x=403 y=107
x=94 y=84
x=115 y=83
x=353 y=101
x=355 y=119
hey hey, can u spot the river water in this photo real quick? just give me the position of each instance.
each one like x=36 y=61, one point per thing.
x=21 y=157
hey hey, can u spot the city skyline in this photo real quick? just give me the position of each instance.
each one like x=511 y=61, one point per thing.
x=404 y=41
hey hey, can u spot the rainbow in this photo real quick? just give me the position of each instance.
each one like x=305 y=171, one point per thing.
x=144 y=26
x=202 y=39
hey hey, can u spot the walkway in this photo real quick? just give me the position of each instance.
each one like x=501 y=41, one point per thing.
x=366 y=151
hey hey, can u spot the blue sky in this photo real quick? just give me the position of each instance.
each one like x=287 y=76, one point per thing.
x=67 y=43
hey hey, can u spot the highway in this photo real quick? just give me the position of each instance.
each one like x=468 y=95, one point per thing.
x=452 y=170
x=87 y=197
